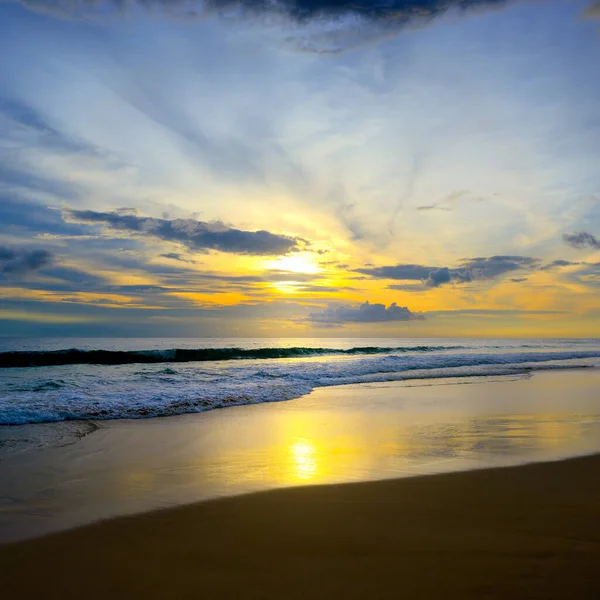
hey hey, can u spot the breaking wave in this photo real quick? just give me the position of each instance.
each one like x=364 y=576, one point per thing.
x=97 y=392
x=75 y=356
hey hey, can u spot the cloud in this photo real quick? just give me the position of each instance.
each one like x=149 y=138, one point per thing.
x=402 y=12
x=466 y=312
x=404 y=272
x=432 y=207
x=586 y=273
x=16 y=261
x=451 y=201
x=493 y=266
x=364 y=313
x=19 y=215
x=593 y=11
x=557 y=264
x=74 y=278
x=581 y=240
x=439 y=277
x=322 y=26
x=177 y=256
x=469 y=269
x=199 y=236
x=408 y=287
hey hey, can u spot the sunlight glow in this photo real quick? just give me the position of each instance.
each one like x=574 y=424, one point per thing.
x=298 y=263
x=304 y=459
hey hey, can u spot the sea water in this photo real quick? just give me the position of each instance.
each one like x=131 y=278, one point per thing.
x=52 y=380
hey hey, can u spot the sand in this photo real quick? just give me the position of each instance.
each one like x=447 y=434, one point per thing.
x=520 y=532
x=334 y=435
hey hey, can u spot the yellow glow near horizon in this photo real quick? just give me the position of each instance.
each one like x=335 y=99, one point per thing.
x=286 y=287
x=294 y=264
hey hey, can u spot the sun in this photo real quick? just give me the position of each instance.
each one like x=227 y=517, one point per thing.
x=295 y=264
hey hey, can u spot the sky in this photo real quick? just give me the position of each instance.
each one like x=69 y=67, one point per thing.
x=290 y=168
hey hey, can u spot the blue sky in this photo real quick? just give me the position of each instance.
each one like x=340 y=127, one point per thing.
x=248 y=173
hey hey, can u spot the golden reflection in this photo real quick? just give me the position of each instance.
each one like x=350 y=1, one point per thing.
x=304 y=459
x=132 y=483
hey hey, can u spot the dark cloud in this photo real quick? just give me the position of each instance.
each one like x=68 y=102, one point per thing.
x=364 y=313
x=493 y=266
x=18 y=262
x=20 y=216
x=177 y=256
x=581 y=240
x=402 y=12
x=404 y=272
x=439 y=277
x=316 y=25
x=593 y=11
x=143 y=289
x=428 y=276
x=196 y=235
x=469 y=269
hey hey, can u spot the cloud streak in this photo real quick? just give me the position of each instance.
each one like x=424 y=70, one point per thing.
x=198 y=236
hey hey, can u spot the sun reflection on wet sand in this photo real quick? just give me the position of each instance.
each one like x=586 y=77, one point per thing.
x=335 y=435
x=304 y=460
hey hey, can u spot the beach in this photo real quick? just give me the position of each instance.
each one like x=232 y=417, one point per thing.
x=522 y=532
x=62 y=475
x=364 y=491
x=299 y=299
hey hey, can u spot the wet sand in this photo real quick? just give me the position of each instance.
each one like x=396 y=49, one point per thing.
x=528 y=532
x=334 y=435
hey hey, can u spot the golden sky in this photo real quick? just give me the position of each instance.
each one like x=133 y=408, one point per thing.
x=350 y=173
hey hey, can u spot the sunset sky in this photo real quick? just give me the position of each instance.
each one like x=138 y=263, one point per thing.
x=300 y=168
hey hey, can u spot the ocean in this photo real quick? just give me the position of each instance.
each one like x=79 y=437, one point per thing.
x=53 y=380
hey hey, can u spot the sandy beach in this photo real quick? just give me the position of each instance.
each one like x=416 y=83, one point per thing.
x=526 y=532
x=60 y=476
x=299 y=300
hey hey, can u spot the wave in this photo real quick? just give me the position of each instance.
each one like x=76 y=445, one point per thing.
x=75 y=356
x=97 y=394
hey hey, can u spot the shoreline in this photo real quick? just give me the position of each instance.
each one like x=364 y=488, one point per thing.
x=528 y=531
x=525 y=372
x=517 y=368
x=342 y=434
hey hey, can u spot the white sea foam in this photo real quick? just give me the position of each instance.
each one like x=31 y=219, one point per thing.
x=82 y=391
